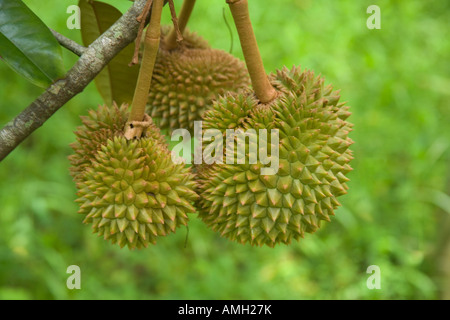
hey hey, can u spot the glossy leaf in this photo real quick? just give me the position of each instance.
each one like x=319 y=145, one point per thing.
x=117 y=81
x=27 y=45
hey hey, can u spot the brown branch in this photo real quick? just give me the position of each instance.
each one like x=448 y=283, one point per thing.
x=142 y=19
x=91 y=62
x=183 y=18
x=261 y=84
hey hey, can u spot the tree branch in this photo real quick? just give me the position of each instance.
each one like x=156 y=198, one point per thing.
x=68 y=43
x=91 y=62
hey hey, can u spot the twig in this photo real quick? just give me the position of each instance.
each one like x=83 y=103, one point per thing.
x=176 y=28
x=142 y=19
x=229 y=29
x=68 y=43
x=183 y=18
x=91 y=62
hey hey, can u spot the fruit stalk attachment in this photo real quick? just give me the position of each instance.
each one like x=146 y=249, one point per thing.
x=183 y=18
x=264 y=91
x=138 y=121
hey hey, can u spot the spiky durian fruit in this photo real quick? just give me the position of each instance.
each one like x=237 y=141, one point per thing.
x=132 y=192
x=99 y=126
x=247 y=206
x=187 y=79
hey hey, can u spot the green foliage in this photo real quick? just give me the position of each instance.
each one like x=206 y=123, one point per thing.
x=396 y=81
x=27 y=45
x=117 y=81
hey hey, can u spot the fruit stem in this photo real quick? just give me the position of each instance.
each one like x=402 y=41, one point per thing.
x=264 y=91
x=151 y=45
x=183 y=18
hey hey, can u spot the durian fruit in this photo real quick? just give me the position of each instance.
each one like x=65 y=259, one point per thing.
x=187 y=79
x=100 y=125
x=243 y=205
x=132 y=192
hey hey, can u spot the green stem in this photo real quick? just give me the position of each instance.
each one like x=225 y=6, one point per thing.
x=264 y=91
x=151 y=45
x=183 y=18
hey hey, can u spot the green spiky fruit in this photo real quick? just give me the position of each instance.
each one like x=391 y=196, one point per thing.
x=133 y=193
x=187 y=79
x=246 y=206
x=99 y=126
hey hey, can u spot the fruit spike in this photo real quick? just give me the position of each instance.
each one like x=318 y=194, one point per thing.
x=313 y=161
x=150 y=202
x=187 y=79
x=99 y=126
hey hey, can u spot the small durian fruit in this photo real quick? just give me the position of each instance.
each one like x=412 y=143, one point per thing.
x=187 y=79
x=244 y=205
x=100 y=125
x=132 y=192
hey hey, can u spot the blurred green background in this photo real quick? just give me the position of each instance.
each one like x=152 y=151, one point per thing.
x=396 y=214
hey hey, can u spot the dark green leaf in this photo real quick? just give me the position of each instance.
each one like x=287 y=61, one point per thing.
x=117 y=81
x=27 y=45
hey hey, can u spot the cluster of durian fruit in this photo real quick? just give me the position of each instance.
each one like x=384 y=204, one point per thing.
x=132 y=193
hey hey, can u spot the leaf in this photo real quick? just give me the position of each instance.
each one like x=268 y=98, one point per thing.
x=117 y=81
x=27 y=45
